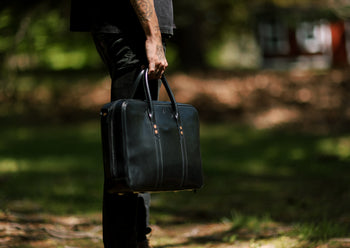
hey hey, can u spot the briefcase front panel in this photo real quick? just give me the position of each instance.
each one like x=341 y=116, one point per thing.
x=150 y=154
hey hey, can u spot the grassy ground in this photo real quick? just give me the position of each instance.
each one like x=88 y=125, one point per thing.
x=263 y=188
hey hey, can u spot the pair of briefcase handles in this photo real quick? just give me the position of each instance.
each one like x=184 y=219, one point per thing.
x=143 y=76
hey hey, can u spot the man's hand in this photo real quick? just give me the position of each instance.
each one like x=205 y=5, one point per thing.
x=154 y=46
x=156 y=58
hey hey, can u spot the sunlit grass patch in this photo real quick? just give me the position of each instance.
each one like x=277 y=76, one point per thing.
x=322 y=230
x=10 y=165
x=336 y=146
x=252 y=227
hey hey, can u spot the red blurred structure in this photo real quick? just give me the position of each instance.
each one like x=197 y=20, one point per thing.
x=319 y=43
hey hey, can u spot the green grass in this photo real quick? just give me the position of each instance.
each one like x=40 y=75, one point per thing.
x=256 y=179
x=56 y=167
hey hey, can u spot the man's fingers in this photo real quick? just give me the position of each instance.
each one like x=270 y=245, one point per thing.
x=156 y=71
x=151 y=67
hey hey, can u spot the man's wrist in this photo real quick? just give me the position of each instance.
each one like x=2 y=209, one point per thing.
x=153 y=33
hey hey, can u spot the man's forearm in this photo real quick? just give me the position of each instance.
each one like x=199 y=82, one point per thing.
x=147 y=16
x=154 y=47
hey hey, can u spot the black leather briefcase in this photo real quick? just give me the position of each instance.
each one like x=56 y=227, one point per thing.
x=151 y=146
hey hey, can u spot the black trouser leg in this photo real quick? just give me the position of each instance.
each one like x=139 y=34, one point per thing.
x=119 y=218
x=125 y=217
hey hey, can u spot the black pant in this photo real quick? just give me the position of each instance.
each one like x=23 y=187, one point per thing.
x=125 y=217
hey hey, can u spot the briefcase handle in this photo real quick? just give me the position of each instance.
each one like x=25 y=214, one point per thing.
x=144 y=77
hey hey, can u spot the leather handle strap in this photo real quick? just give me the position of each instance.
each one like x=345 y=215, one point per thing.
x=171 y=96
x=144 y=77
x=147 y=93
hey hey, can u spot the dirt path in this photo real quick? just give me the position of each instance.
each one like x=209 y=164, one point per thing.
x=69 y=232
x=32 y=230
x=47 y=231
x=193 y=235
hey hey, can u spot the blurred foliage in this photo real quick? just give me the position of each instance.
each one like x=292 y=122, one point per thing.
x=204 y=27
x=36 y=34
x=341 y=7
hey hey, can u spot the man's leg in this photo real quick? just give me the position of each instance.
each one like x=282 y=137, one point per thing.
x=119 y=218
x=125 y=217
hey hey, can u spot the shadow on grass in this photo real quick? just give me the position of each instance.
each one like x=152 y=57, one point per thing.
x=57 y=168
x=289 y=177
x=300 y=180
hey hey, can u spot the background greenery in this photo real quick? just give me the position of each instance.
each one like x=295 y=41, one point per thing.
x=36 y=34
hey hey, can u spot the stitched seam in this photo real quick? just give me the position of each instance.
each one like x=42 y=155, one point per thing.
x=125 y=141
x=112 y=144
x=160 y=164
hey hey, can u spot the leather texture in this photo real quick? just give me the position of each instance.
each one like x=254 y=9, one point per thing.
x=151 y=146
